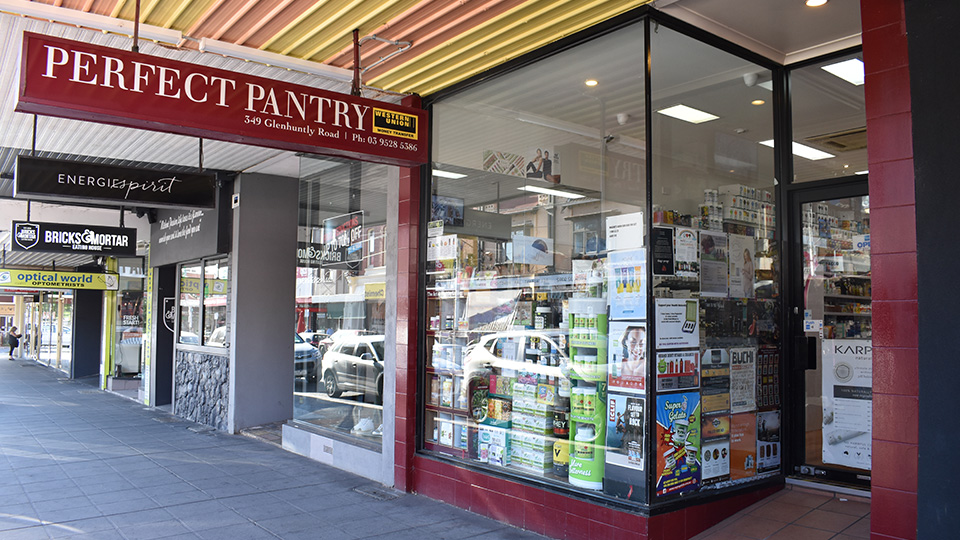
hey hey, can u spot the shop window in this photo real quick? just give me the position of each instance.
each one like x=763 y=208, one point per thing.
x=829 y=119
x=130 y=321
x=340 y=361
x=588 y=325
x=203 y=303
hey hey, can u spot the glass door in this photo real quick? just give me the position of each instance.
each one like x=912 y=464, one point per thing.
x=831 y=332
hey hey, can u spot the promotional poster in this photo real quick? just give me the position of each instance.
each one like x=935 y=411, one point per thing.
x=663 y=251
x=625 y=429
x=532 y=250
x=679 y=370
x=743 y=379
x=625 y=231
x=687 y=253
x=768 y=441
x=678 y=323
x=847 y=402
x=717 y=426
x=743 y=446
x=768 y=377
x=715 y=381
x=716 y=461
x=678 y=442
x=626 y=284
x=742 y=271
x=713 y=264
x=627 y=352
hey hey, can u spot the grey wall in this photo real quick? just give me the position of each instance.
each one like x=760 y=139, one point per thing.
x=262 y=291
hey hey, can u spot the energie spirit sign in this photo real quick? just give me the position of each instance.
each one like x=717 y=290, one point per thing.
x=71 y=79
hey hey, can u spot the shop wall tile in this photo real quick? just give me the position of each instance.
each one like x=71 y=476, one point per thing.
x=895 y=324
x=893 y=513
x=891 y=137
x=895 y=418
x=888 y=92
x=534 y=517
x=602 y=530
x=578 y=528
x=463 y=495
x=672 y=526
x=895 y=275
x=634 y=523
x=884 y=48
x=894 y=466
x=892 y=183
x=893 y=230
x=534 y=495
x=874 y=13
x=896 y=371
x=555 y=523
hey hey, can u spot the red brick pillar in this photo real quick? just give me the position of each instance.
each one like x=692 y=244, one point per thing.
x=894 y=269
x=408 y=243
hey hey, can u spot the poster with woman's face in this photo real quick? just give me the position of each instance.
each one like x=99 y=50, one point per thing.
x=627 y=352
x=742 y=271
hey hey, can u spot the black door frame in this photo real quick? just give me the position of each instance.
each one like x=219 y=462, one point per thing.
x=794 y=339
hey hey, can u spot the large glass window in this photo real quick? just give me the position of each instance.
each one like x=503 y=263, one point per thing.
x=716 y=354
x=203 y=303
x=536 y=272
x=580 y=330
x=130 y=320
x=339 y=350
x=829 y=119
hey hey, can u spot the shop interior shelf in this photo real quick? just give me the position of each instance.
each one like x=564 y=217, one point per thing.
x=842 y=314
x=848 y=297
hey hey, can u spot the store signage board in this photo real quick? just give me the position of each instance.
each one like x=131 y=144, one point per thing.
x=67 y=238
x=61 y=180
x=49 y=279
x=72 y=79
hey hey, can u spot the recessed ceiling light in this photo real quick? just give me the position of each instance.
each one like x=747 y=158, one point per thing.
x=757 y=102
x=816 y=3
x=547 y=191
x=803 y=151
x=849 y=70
x=447 y=174
x=591 y=82
x=688 y=114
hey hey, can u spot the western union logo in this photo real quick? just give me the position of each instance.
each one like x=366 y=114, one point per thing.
x=394 y=124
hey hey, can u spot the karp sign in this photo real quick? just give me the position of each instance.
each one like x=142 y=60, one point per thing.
x=71 y=79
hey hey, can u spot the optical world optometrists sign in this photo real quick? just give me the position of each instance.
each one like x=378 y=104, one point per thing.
x=46 y=279
x=66 y=238
x=66 y=78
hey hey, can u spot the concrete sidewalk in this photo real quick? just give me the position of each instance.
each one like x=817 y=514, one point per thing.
x=76 y=462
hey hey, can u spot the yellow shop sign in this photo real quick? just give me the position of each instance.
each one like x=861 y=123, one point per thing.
x=48 y=279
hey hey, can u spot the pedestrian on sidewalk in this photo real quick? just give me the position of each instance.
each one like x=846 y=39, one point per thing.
x=13 y=339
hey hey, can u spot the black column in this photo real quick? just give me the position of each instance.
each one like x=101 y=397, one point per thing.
x=87 y=331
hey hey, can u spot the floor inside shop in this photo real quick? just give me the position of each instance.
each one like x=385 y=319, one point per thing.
x=797 y=513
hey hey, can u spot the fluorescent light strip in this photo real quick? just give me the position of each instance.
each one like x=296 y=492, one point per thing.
x=849 y=70
x=861 y=172
x=688 y=114
x=274 y=59
x=90 y=20
x=554 y=192
x=448 y=174
x=803 y=151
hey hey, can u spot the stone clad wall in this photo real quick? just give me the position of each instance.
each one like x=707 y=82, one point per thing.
x=202 y=388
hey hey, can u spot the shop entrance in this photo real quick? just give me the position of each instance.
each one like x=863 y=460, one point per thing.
x=829 y=323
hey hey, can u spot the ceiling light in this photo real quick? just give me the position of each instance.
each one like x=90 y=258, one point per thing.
x=591 y=82
x=816 y=3
x=448 y=174
x=90 y=20
x=274 y=59
x=688 y=114
x=554 y=192
x=861 y=172
x=803 y=151
x=849 y=70
x=757 y=102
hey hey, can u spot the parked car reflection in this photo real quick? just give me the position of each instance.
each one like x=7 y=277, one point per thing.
x=305 y=359
x=354 y=363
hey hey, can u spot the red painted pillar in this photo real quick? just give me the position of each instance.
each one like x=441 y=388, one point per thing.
x=894 y=270
x=408 y=244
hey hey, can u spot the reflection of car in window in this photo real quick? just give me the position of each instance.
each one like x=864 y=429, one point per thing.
x=218 y=338
x=354 y=363
x=305 y=359
x=505 y=350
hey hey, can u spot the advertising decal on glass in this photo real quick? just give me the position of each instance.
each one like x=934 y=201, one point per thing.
x=715 y=380
x=625 y=431
x=847 y=386
x=678 y=323
x=678 y=370
x=678 y=443
x=743 y=445
x=768 y=441
x=687 y=253
x=626 y=284
x=743 y=379
x=663 y=251
x=742 y=272
x=625 y=231
x=713 y=264
x=628 y=356
x=716 y=461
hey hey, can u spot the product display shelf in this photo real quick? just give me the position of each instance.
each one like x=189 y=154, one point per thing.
x=846 y=314
x=848 y=297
